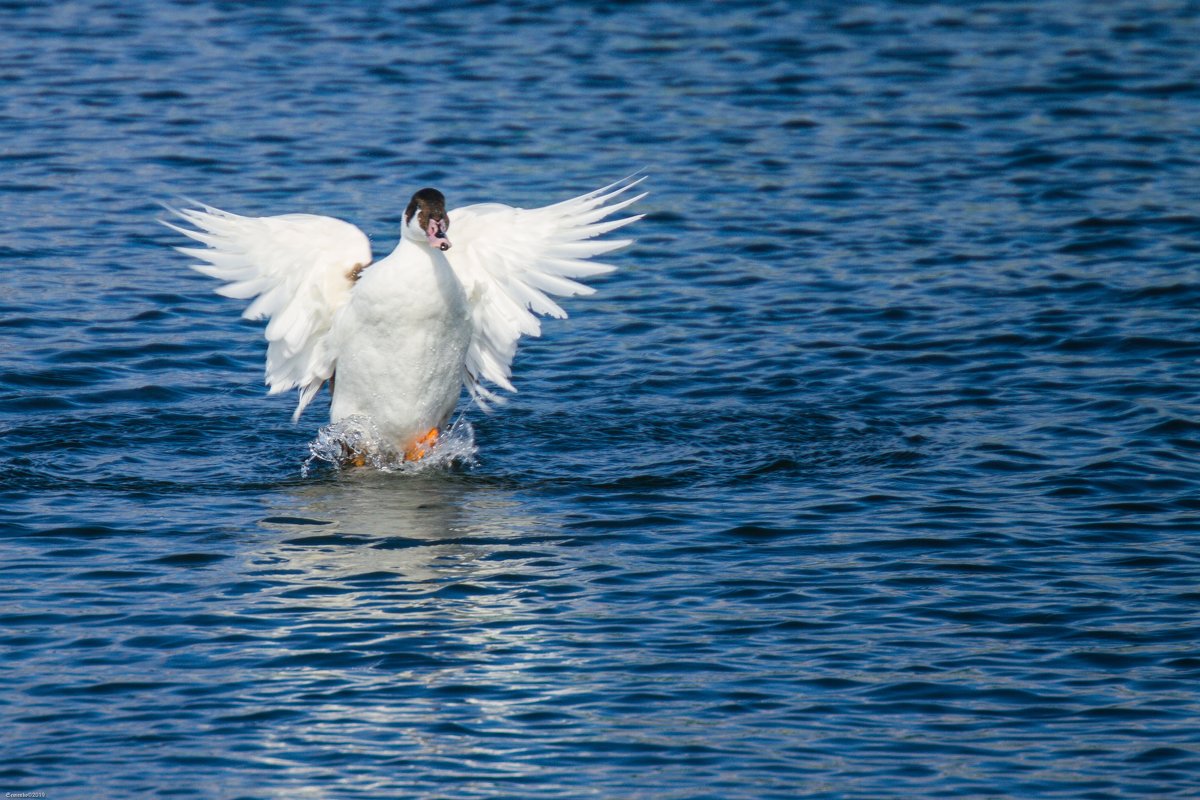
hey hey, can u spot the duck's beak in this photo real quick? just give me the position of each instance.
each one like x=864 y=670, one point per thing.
x=435 y=231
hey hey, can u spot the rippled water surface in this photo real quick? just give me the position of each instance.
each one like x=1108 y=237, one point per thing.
x=871 y=473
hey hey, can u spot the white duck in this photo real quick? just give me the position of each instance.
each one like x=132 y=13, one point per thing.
x=398 y=338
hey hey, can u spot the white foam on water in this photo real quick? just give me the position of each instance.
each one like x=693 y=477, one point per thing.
x=338 y=443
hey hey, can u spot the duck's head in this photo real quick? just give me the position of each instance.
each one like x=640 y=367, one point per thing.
x=425 y=219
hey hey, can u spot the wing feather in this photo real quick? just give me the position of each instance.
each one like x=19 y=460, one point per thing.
x=511 y=260
x=296 y=267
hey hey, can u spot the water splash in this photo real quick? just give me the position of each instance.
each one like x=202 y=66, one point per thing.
x=357 y=437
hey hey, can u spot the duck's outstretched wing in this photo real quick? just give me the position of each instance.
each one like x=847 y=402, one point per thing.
x=511 y=260
x=300 y=269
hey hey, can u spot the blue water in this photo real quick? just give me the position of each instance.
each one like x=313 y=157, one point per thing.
x=872 y=473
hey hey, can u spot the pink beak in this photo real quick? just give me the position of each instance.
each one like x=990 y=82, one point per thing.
x=436 y=233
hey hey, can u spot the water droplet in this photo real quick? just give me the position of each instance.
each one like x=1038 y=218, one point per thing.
x=340 y=442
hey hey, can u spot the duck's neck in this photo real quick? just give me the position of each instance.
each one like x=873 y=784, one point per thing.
x=406 y=248
x=415 y=255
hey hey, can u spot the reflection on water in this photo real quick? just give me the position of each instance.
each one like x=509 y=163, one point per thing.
x=417 y=527
x=390 y=612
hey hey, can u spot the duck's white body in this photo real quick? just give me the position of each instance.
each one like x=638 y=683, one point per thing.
x=401 y=341
x=398 y=339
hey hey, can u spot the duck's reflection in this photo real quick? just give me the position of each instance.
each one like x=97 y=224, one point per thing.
x=419 y=528
x=394 y=608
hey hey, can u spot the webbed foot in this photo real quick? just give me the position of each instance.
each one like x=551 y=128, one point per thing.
x=421 y=447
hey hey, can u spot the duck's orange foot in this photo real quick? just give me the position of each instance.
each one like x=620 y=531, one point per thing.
x=352 y=458
x=421 y=447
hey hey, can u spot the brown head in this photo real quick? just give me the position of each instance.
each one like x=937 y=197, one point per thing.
x=426 y=216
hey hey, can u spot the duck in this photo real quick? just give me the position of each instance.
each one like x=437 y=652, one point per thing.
x=398 y=339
